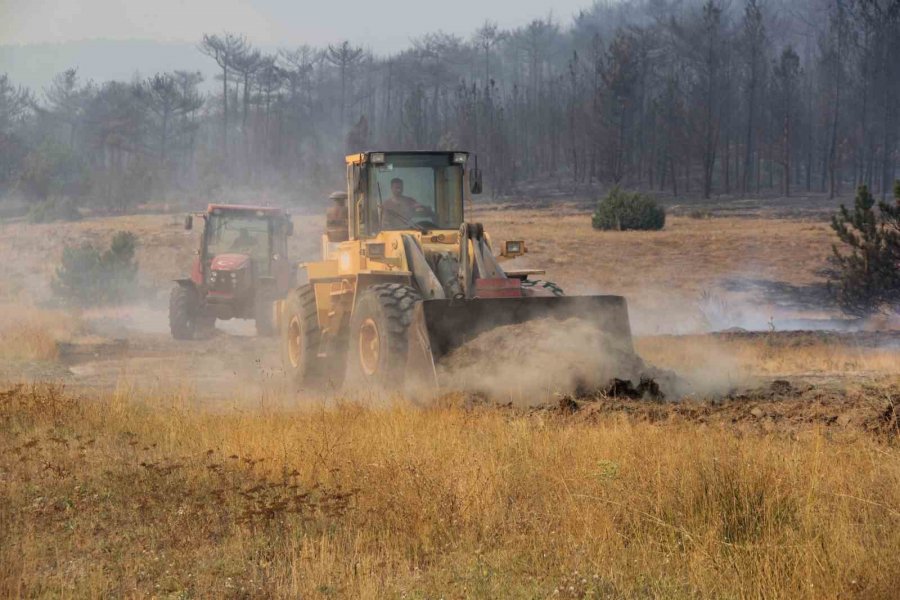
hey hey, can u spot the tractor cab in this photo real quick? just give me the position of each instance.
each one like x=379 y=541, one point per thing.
x=244 y=235
x=241 y=267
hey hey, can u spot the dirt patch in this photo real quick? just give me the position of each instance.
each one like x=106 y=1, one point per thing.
x=779 y=407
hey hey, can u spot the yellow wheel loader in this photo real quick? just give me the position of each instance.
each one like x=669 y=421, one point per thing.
x=404 y=279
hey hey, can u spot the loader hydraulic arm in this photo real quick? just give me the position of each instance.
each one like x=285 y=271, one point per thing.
x=483 y=265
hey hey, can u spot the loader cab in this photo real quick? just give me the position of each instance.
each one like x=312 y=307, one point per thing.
x=400 y=191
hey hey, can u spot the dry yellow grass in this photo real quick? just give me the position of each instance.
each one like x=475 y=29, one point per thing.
x=137 y=497
x=30 y=333
x=664 y=274
x=687 y=256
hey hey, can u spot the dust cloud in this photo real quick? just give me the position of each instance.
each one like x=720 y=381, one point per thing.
x=533 y=362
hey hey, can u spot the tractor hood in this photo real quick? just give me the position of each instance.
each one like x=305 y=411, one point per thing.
x=230 y=262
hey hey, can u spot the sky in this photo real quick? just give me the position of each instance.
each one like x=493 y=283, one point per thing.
x=382 y=26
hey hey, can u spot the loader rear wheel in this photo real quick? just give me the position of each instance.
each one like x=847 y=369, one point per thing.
x=300 y=339
x=378 y=330
x=184 y=306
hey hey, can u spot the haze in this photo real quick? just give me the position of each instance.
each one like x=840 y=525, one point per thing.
x=381 y=26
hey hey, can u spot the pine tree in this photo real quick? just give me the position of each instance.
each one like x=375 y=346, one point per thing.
x=866 y=279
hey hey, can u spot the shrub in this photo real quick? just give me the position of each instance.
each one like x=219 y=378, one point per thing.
x=89 y=277
x=866 y=279
x=58 y=209
x=621 y=211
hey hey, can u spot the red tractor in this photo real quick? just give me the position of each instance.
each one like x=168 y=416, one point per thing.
x=241 y=268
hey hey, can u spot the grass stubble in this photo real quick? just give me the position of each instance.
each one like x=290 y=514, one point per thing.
x=129 y=496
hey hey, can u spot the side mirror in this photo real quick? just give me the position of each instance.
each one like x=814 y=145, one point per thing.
x=475 y=184
x=289 y=227
x=189 y=222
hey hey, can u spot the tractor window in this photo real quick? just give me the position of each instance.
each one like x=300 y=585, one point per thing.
x=413 y=191
x=239 y=234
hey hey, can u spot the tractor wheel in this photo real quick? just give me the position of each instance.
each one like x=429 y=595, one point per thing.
x=378 y=331
x=263 y=314
x=300 y=339
x=183 y=308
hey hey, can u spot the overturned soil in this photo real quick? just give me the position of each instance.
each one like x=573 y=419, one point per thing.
x=780 y=407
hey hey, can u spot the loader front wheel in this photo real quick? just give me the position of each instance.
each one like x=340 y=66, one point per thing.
x=300 y=338
x=378 y=334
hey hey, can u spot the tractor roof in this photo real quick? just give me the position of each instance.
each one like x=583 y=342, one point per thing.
x=354 y=159
x=267 y=210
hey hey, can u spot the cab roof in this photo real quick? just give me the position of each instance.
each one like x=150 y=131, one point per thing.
x=268 y=210
x=354 y=159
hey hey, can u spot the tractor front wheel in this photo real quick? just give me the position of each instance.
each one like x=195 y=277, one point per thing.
x=378 y=335
x=184 y=306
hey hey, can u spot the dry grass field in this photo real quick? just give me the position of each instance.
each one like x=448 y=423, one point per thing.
x=180 y=470
x=138 y=497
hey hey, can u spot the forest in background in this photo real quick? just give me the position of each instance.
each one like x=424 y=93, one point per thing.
x=682 y=97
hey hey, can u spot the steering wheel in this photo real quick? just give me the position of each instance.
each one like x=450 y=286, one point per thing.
x=427 y=222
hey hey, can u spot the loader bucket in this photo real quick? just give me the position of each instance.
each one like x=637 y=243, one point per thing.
x=442 y=325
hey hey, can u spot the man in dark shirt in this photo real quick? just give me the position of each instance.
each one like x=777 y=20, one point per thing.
x=401 y=211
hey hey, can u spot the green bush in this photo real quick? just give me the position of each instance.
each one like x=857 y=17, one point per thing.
x=88 y=277
x=866 y=278
x=621 y=211
x=58 y=209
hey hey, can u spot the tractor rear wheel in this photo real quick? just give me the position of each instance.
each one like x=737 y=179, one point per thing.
x=378 y=335
x=300 y=339
x=183 y=308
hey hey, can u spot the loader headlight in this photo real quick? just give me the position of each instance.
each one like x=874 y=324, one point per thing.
x=376 y=158
x=513 y=248
x=459 y=158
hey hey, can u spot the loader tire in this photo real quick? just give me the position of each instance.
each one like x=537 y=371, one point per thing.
x=183 y=308
x=300 y=339
x=378 y=335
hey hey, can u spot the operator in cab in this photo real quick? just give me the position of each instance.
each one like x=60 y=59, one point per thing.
x=244 y=242
x=400 y=212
